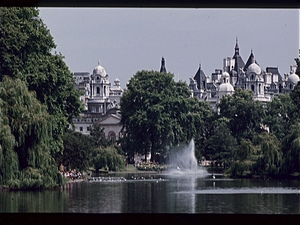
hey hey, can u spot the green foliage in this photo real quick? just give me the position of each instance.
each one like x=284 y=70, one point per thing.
x=270 y=158
x=244 y=150
x=25 y=132
x=245 y=114
x=295 y=96
x=221 y=144
x=241 y=168
x=108 y=158
x=157 y=113
x=98 y=135
x=203 y=118
x=279 y=115
x=77 y=150
x=25 y=53
x=291 y=150
x=37 y=104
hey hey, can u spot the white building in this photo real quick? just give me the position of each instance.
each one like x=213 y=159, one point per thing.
x=237 y=74
x=101 y=101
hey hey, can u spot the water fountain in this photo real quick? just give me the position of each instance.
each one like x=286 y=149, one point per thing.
x=184 y=162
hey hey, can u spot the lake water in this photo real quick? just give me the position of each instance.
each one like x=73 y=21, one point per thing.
x=161 y=193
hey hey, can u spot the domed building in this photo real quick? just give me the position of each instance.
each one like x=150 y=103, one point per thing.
x=237 y=74
x=102 y=102
x=292 y=81
x=225 y=87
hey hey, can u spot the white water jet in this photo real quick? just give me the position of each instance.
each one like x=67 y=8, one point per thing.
x=185 y=162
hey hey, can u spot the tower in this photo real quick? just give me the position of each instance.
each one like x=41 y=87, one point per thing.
x=163 y=66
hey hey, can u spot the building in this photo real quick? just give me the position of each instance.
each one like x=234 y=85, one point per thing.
x=265 y=84
x=101 y=102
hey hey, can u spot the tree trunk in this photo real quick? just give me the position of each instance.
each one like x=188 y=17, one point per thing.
x=146 y=153
x=152 y=152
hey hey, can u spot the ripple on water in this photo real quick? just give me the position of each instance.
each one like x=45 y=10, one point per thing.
x=224 y=191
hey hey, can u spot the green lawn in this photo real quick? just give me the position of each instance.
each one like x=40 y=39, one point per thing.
x=130 y=168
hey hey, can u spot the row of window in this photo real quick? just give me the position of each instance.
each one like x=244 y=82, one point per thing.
x=81 y=128
x=85 y=120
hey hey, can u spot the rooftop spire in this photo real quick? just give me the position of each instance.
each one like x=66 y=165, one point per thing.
x=237 y=49
x=163 y=66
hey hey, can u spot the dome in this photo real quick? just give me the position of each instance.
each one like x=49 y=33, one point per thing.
x=253 y=68
x=293 y=78
x=225 y=74
x=117 y=82
x=226 y=87
x=99 y=70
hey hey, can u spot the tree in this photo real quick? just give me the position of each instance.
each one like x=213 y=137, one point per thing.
x=295 y=96
x=77 y=150
x=291 y=150
x=221 y=144
x=25 y=133
x=25 y=53
x=98 y=135
x=245 y=114
x=269 y=161
x=279 y=115
x=157 y=113
x=108 y=158
x=204 y=117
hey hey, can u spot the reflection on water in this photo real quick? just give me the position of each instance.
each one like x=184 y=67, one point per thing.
x=161 y=193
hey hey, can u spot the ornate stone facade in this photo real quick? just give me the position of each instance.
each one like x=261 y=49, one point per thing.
x=101 y=102
x=237 y=74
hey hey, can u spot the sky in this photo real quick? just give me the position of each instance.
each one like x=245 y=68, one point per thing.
x=127 y=40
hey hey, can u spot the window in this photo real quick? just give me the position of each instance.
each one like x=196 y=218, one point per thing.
x=88 y=128
x=98 y=90
x=112 y=136
x=81 y=128
x=252 y=88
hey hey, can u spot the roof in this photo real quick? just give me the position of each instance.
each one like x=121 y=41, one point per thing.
x=250 y=60
x=81 y=74
x=226 y=87
x=200 y=78
x=274 y=70
x=293 y=78
x=109 y=119
x=163 y=66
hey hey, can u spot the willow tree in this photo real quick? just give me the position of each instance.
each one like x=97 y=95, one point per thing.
x=26 y=52
x=270 y=155
x=291 y=150
x=25 y=133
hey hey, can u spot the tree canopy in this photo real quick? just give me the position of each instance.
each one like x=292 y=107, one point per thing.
x=38 y=99
x=25 y=135
x=26 y=47
x=157 y=113
x=244 y=113
x=279 y=115
x=77 y=150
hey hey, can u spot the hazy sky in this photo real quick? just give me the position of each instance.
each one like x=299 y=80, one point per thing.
x=127 y=40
